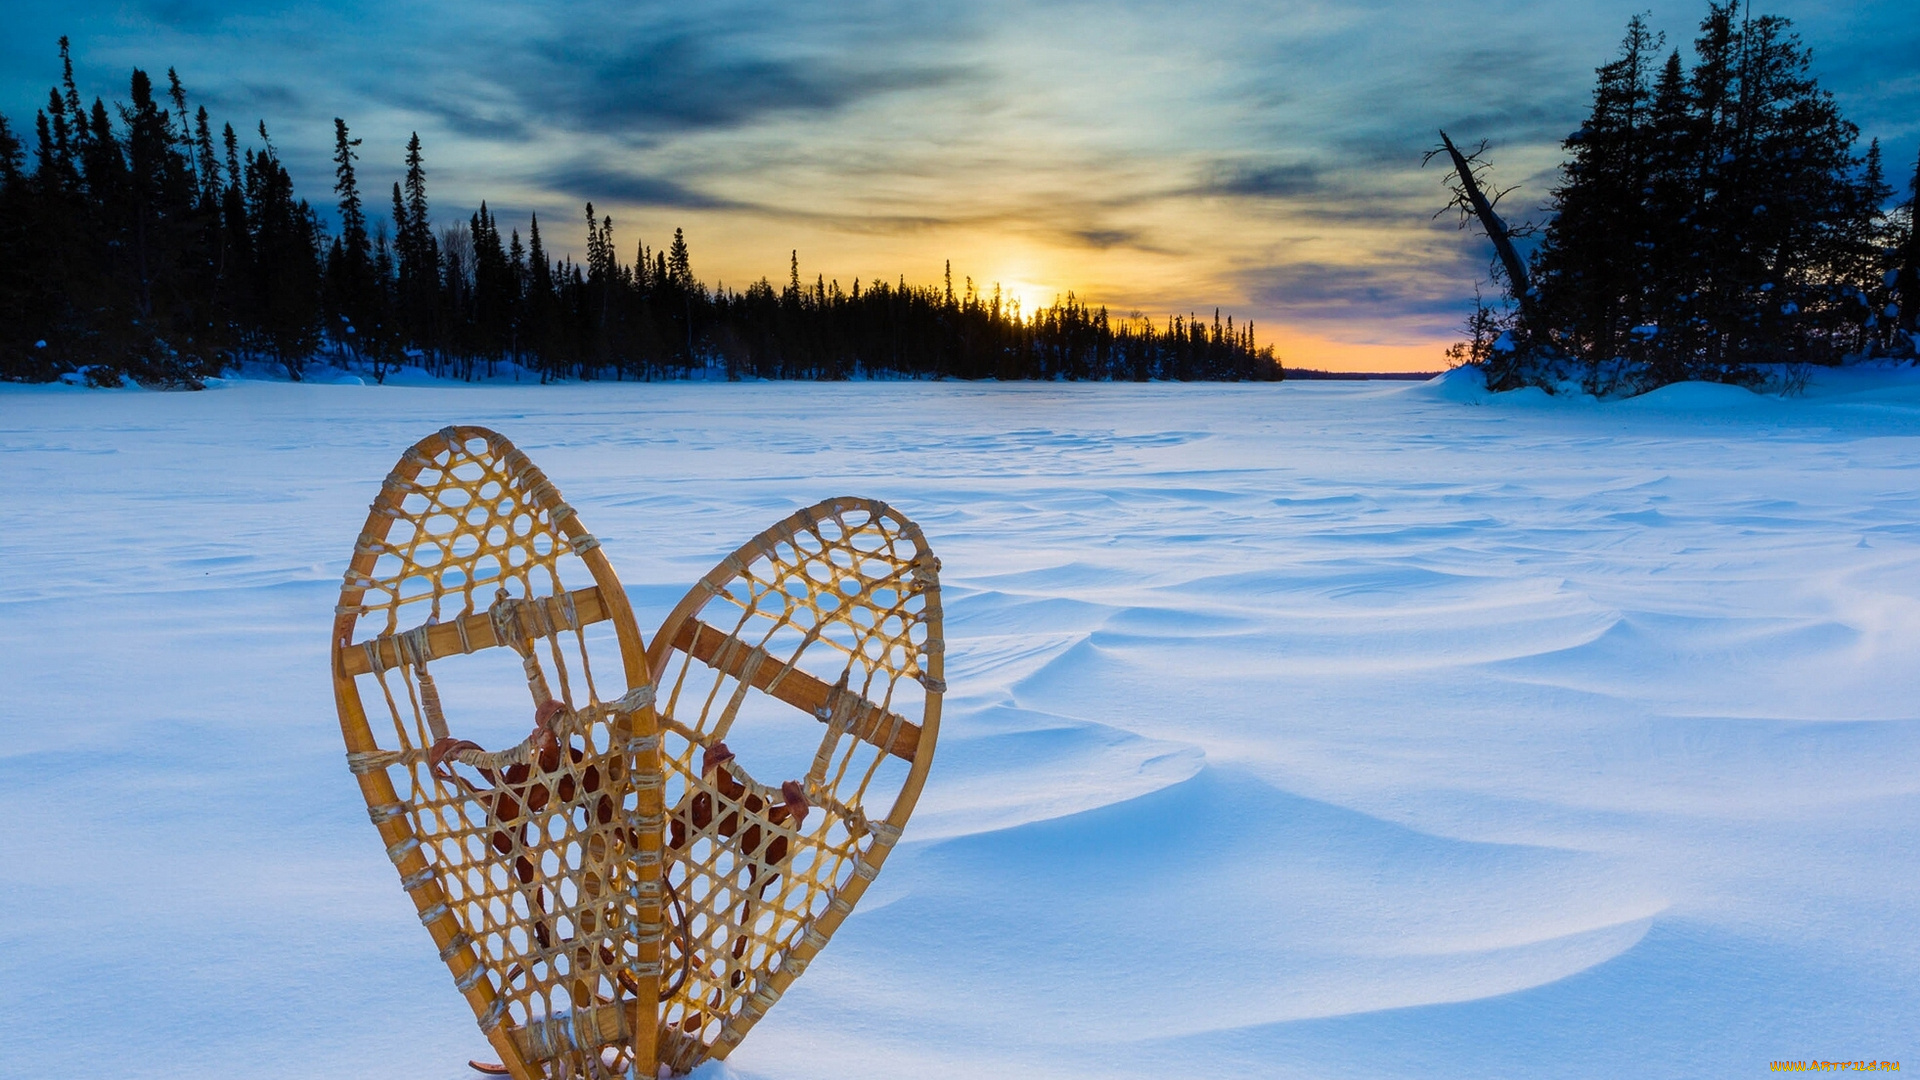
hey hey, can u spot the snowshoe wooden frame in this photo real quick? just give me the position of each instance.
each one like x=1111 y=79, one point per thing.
x=829 y=619
x=536 y=869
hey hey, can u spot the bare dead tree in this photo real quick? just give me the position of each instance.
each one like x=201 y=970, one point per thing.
x=1470 y=199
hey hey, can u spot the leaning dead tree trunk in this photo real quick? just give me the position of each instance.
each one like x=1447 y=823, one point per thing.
x=1469 y=196
x=1497 y=230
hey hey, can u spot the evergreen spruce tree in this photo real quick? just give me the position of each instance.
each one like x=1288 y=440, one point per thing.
x=283 y=316
x=70 y=100
x=1672 y=261
x=596 y=300
x=17 y=350
x=540 y=316
x=494 y=294
x=206 y=165
x=99 y=222
x=1905 y=304
x=679 y=265
x=147 y=139
x=349 y=272
x=1592 y=265
x=516 y=297
x=382 y=344
x=234 y=261
x=418 y=254
x=682 y=287
x=183 y=135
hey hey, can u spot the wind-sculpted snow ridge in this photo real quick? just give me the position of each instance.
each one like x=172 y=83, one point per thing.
x=1315 y=730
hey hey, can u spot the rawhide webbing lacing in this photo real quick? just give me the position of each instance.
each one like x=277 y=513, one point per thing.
x=812 y=657
x=535 y=866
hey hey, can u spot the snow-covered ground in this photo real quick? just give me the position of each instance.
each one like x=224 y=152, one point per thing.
x=1317 y=730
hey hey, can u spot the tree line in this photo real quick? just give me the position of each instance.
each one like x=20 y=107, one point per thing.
x=136 y=243
x=1710 y=218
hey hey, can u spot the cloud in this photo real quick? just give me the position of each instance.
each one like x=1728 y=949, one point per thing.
x=1106 y=238
x=1419 y=300
x=683 y=81
x=586 y=181
x=640 y=71
x=1263 y=181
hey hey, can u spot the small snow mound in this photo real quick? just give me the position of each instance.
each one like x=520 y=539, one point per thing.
x=1468 y=386
x=1462 y=384
x=1883 y=382
x=1696 y=396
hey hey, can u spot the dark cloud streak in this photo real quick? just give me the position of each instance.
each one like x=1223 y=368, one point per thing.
x=687 y=82
x=1263 y=181
x=589 y=182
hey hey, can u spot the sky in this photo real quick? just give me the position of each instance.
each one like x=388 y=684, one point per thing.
x=1160 y=158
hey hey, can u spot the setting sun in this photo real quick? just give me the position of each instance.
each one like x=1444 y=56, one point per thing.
x=1029 y=296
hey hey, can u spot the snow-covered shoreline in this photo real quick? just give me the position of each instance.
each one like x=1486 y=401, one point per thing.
x=1305 y=729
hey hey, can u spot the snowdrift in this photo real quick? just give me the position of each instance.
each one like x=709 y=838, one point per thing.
x=1329 y=729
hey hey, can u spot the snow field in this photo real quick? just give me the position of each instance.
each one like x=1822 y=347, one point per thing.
x=1315 y=730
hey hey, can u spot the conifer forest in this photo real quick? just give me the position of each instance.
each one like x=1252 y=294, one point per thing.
x=136 y=241
x=1710 y=217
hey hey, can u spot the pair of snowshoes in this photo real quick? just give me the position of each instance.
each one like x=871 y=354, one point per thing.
x=630 y=886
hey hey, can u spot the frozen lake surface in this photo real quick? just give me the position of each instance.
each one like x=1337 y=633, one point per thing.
x=1319 y=730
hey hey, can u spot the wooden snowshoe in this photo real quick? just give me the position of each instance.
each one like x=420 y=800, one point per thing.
x=799 y=704
x=535 y=868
